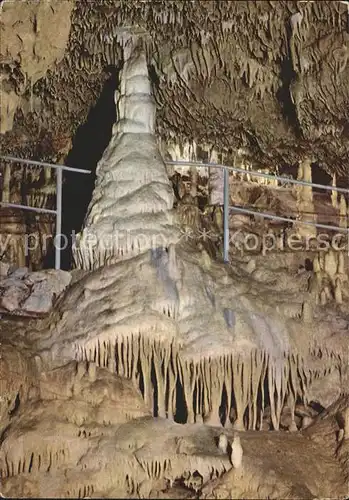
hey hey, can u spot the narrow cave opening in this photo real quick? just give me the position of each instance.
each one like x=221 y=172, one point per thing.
x=232 y=410
x=266 y=398
x=322 y=198
x=289 y=169
x=168 y=400
x=141 y=379
x=288 y=109
x=89 y=143
x=223 y=409
x=155 y=390
x=16 y=405
x=195 y=399
x=31 y=463
x=181 y=414
x=308 y=265
x=319 y=176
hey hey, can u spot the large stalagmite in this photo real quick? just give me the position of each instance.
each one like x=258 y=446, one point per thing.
x=131 y=207
x=157 y=333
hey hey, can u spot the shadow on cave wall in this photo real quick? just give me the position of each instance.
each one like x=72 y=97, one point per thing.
x=89 y=143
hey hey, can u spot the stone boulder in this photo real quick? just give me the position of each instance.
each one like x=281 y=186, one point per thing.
x=25 y=293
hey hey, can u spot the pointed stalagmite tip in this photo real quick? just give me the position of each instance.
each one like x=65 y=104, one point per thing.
x=222 y=443
x=293 y=427
x=236 y=452
x=306 y=421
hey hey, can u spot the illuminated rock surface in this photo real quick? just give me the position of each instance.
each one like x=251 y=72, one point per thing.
x=157 y=348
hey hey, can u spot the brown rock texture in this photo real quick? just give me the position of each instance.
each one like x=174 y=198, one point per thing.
x=155 y=369
x=34 y=37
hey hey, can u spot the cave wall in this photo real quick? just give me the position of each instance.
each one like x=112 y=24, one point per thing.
x=220 y=72
x=259 y=84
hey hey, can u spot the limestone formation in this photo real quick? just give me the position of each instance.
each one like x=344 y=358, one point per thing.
x=130 y=211
x=31 y=293
x=236 y=452
x=155 y=369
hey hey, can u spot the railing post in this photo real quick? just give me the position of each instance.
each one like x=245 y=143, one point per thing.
x=226 y=216
x=59 y=179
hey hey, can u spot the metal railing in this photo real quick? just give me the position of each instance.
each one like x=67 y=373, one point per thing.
x=58 y=210
x=254 y=173
x=227 y=207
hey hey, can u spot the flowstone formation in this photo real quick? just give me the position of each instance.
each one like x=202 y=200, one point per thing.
x=156 y=349
x=130 y=210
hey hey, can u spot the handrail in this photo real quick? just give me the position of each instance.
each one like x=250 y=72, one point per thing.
x=227 y=207
x=59 y=184
x=44 y=164
x=27 y=207
x=285 y=219
x=258 y=174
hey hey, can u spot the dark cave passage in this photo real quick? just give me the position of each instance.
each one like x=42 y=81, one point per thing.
x=89 y=143
x=181 y=414
x=287 y=107
x=319 y=176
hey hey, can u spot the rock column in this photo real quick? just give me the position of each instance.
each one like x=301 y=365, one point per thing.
x=131 y=207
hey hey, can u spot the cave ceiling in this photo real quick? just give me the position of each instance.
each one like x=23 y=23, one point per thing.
x=267 y=79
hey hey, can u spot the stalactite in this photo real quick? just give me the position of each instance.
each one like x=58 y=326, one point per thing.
x=135 y=354
x=127 y=357
x=216 y=380
x=302 y=378
x=305 y=204
x=343 y=213
x=261 y=388
x=281 y=387
x=119 y=359
x=334 y=194
x=237 y=368
x=204 y=410
x=271 y=388
x=246 y=385
x=257 y=360
x=146 y=356
x=188 y=384
x=160 y=381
